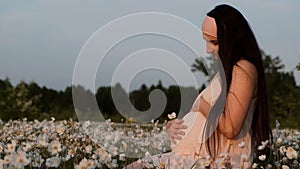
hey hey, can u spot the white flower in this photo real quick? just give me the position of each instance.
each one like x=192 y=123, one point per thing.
x=147 y=154
x=67 y=158
x=102 y=154
x=88 y=149
x=8 y=159
x=87 y=123
x=279 y=140
x=11 y=147
x=71 y=152
x=262 y=157
x=86 y=164
x=37 y=161
x=264 y=143
x=60 y=129
x=284 y=158
x=27 y=147
x=20 y=160
x=261 y=147
x=53 y=162
x=242 y=144
x=122 y=157
x=172 y=116
x=285 y=167
x=291 y=153
x=54 y=147
x=207 y=163
x=46 y=129
x=254 y=165
x=282 y=150
x=42 y=140
x=113 y=150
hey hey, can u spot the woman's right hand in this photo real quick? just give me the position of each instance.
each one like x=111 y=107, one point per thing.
x=174 y=129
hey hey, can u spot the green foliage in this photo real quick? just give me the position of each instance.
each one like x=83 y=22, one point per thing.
x=200 y=66
x=6 y=99
x=140 y=100
x=19 y=102
x=298 y=66
x=206 y=66
x=34 y=102
x=283 y=92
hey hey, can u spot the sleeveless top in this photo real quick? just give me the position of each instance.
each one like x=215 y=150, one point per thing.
x=239 y=148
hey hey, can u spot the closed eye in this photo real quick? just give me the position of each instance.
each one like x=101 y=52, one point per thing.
x=215 y=42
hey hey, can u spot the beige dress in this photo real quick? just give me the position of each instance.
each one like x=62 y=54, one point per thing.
x=238 y=150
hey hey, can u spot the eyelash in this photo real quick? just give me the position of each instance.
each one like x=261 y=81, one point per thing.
x=214 y=42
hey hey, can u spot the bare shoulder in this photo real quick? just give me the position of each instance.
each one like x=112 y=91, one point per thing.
x=244 y=66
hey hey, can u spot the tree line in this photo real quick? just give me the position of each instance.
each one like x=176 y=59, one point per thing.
x=35 y=102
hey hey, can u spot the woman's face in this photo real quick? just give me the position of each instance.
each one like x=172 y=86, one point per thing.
x=209 y=30
x=212 y=44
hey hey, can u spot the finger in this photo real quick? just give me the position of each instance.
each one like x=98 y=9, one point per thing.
x=178 y=132
x=170 y=123
x=179 y=126
x=181 y=133
x=179 y=121
x=177 y=137
x=183 y=127
x=171 y=138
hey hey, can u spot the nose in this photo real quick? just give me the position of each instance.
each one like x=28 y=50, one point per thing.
x=209 y=48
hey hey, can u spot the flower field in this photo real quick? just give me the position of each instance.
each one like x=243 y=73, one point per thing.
x=70 y=144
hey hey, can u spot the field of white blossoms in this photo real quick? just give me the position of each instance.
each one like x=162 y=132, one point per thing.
x=70 y=144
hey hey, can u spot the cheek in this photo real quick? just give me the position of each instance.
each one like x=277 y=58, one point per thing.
x=216 y=53
x=217 y=48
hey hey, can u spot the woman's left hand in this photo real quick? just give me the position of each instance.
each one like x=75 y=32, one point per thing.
x=174 y=129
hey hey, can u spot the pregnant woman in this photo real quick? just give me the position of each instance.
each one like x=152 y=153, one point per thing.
x=229 y=118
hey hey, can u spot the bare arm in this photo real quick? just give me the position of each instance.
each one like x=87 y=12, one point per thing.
x=241 y=91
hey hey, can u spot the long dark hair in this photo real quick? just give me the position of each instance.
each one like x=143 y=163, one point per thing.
x=236 y=42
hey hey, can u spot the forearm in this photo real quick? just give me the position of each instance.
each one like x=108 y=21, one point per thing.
x=204 y=107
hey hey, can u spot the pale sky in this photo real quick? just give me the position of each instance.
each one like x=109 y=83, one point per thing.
x=40 y=40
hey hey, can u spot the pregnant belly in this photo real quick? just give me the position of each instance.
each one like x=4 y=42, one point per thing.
x=191 y=141
x=189 y=120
